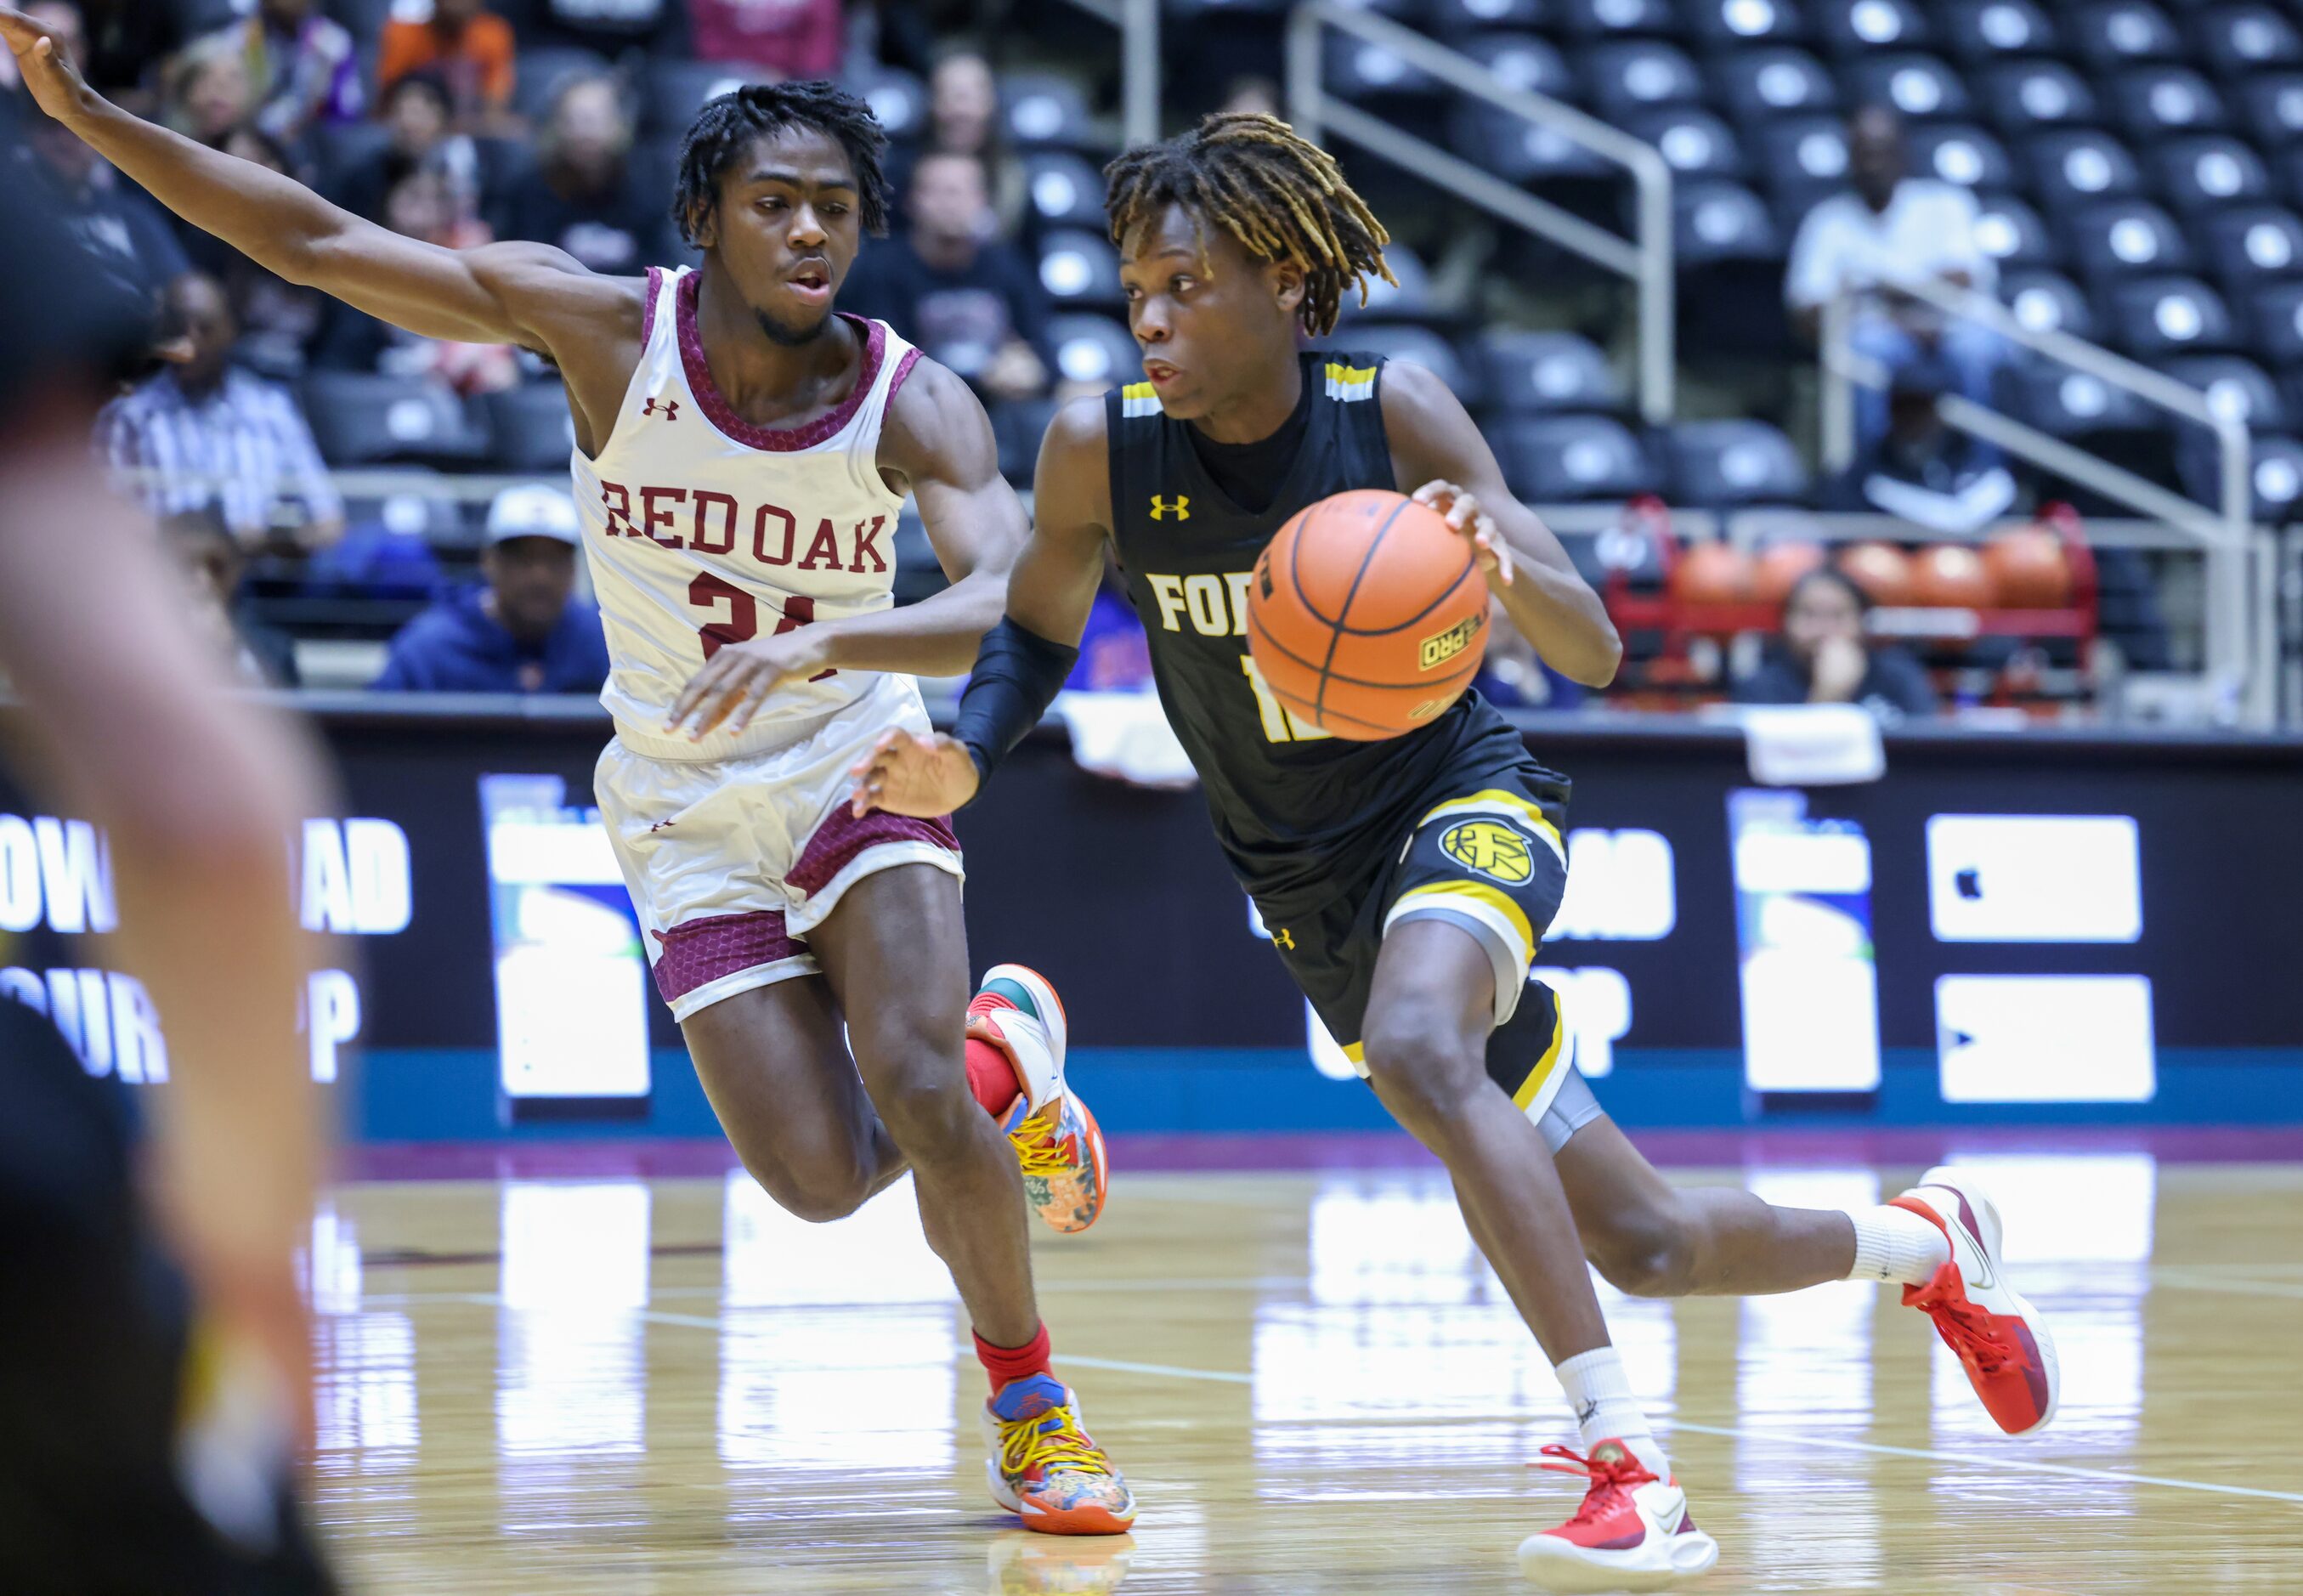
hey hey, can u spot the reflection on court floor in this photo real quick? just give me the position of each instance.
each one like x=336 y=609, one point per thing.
x=1316 y=1382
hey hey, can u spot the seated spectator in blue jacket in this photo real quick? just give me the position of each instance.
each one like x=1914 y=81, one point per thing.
x=1824 y=659
x=522 y=630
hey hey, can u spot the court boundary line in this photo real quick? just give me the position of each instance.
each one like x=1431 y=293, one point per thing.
x=1732 y=1432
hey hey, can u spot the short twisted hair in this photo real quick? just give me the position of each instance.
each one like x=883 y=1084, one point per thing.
x=726 y=127
x=1281 y=196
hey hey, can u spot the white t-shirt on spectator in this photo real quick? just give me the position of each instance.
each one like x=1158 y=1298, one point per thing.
x=1927 y=229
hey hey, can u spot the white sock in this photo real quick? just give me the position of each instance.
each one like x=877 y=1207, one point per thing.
x=1896 y=1246
x=1601 y=1393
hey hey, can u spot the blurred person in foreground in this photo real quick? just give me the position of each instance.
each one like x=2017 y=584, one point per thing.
x=1893 y=231
x=1823 y=658
x=952 y=287
x=147 y=1411
x=521 y=629
x=205 y=432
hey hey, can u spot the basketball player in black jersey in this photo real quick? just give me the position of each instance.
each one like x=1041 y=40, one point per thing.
x=1407 y=881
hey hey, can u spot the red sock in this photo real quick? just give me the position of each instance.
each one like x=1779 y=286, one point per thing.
x=1007 y=1365
x=991 y=1077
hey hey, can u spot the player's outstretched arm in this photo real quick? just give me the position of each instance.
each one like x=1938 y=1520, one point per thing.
x=938 y=441
x=1439 y=456
x=1023 y=662
x=502 y=294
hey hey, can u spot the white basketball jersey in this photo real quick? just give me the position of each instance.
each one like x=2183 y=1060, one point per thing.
x=702 y=529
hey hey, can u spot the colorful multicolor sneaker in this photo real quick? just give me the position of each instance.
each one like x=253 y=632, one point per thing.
x=1045 y=1468
x=1065 y=1173
x=1027 y=1564
x=1632 y=1534
x=2002 y=1340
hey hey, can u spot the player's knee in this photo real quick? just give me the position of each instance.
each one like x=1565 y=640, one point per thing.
x=1420 y=1064
x=818 y=1190
x=925 y=1104
x=1642 y=1249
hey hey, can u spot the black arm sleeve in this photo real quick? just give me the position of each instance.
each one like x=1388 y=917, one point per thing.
x=1017 y=675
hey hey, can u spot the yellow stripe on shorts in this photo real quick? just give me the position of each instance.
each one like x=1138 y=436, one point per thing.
x=1546 y=1065
x=1489 y=798
x=1480 y=893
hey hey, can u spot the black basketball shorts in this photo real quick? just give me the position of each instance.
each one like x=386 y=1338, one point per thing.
x=1486 y=855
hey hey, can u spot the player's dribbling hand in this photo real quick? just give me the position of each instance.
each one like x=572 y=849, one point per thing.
x=48 y=71
x=1465 y=518
x=738 y=677
x=907 y=774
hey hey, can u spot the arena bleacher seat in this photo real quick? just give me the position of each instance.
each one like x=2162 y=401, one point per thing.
x=1921 y=87
x=530 y=427
x=1064 y=188
x=1715 y=24
x=1619 y=19
x=363 y=418
x=1695 y=142
x=1533 y=374
x=1729 y=465
x=1043 y=110
x=1758 y=86
x=896 y=98
x=1977 y=32
x=2071 y=404
x=1569 y=460
x=1079 y=269
x=1627 y=78
x=1092 y=349
x=1017 y=425
x=1851 y=27
x=2011 y=233
x=1522 y=60
x=2236 y=387
x=1960 y=153
x=2048 y=302
x=2154 y=318
x=2027 y=96
x=676 y=90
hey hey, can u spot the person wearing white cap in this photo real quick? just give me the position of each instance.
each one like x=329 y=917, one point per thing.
x=521 y=630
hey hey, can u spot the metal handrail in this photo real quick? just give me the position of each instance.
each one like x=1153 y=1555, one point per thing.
x=1646 y=258
x=1138 y=21
x=2241 y=648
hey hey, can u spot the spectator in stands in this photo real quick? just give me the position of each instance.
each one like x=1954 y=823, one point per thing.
x=419 y=206
x=522 y=630
x=213 y=560
x=657 y=28
x=418 y=112
x=127 y=42
x=208 y=91
x=1892 y=232
x=472 y=48
x=127 y=237
x=584 y=196
x=276 y=317
x=1822 y=657
x=1512 y=676
x=1922 y=470
x=785 y=38
x=964 y=119
x=1250 y=94
x=209 y=433
x=967 y=300
x=304 y=68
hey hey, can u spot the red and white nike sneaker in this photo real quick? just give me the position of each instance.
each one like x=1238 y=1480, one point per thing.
x=1057 y=1141
x=2002 y=1340
x=1632 y=1533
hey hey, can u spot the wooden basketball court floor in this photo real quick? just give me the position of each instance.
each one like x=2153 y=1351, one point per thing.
x=655 y=1386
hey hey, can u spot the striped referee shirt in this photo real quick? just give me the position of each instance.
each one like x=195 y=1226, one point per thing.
x=244 y=447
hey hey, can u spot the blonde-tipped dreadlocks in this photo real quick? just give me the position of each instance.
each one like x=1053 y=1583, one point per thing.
x=1282 y=198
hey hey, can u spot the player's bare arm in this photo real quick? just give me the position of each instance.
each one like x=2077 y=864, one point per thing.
x=1440 y=458
x=1050 y=594
x=937 y=444
x=526 y=294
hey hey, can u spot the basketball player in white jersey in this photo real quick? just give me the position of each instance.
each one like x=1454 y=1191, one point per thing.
x=741 y=453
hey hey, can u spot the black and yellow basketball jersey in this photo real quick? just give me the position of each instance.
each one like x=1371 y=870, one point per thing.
x=1302 y=816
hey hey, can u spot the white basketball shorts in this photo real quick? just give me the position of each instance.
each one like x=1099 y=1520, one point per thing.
x=732 y=862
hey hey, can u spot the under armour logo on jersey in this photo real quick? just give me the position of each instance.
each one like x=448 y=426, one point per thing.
x=1179 y=507
x=670 y=408
x=1284 y=938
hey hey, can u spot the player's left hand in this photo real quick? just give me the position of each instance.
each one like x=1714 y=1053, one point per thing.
x=738 y=677
x=1465 y=518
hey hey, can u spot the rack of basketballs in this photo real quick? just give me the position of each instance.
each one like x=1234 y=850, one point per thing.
x=2008 y=620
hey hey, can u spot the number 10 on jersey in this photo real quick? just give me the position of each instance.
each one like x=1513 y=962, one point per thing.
x=1281 y=724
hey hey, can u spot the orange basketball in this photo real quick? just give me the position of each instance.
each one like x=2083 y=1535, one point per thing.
x=2029 y=570
x=1366 y=615
x=1780 y=567
x=1950 y=575
x=1881 y=569
x=1712 y=573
